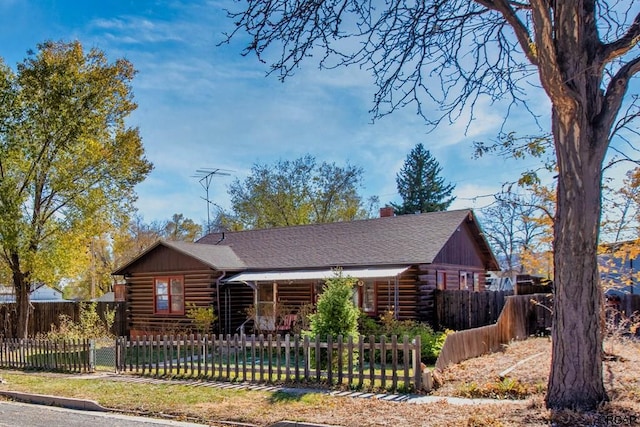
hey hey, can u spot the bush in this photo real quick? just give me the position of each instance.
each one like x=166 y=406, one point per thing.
x=202 y=317
x=431 y=341
x=335 y=312
x=89 y=325
x=335 y=315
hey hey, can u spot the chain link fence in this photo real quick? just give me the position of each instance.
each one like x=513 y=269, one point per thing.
x=103 y=355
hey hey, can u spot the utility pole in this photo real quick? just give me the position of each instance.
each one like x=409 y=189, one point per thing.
x=205 y=176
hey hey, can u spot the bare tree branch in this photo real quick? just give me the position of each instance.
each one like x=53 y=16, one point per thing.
x=624 y=44
x=506 y=8
x=615 y=93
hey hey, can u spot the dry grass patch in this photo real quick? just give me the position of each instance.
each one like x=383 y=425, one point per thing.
x=479 y=377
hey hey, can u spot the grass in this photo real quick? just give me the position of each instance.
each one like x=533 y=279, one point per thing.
x=171 y=362
x=475 y=378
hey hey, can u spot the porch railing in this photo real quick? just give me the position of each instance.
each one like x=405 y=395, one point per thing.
x=364 y=364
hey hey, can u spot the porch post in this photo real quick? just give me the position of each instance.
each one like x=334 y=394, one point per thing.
x=396 y=298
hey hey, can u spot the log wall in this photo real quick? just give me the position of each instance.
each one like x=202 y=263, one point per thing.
x=199 y=289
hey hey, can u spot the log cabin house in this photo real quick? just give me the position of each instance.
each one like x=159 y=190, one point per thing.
x=398 y=260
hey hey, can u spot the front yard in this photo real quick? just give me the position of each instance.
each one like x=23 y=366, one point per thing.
x=474 y=378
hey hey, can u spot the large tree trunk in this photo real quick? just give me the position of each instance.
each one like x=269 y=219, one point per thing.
x=576 y=379
x=22 y=289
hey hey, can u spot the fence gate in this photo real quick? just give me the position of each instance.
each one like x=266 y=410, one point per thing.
x=103 y=355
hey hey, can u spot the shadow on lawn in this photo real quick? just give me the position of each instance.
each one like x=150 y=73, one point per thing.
x=287 y=396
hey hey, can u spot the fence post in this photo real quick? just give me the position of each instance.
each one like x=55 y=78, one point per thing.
x=92 y=355
x=417 y=362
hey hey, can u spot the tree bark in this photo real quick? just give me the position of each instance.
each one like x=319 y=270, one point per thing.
x=576 y=379
x=22 y=290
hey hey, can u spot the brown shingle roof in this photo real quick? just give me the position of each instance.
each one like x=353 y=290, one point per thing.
x=217 y=257
x=405 y=239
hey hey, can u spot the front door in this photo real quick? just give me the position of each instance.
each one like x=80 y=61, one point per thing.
x=266 y=306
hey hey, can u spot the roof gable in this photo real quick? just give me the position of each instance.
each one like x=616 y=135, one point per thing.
x=216 y=257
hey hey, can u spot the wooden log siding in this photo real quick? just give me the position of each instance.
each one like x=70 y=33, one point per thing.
x=199 y=289
x=364 y=364
x=292 y=296
x=426 y=298
x=407 y=295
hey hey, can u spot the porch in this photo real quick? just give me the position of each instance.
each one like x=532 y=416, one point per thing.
x=271 y=301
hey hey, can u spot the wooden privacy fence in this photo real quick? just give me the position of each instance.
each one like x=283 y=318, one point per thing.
x=364 y=364
x=59 y=355
x=45 y=314
x=522 y=316
x=459 y=310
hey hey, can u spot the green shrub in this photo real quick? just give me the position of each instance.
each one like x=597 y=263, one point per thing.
x=367 y=325
x=431 y=341
x=335 y=312
x=335 y=315
x=202 y=317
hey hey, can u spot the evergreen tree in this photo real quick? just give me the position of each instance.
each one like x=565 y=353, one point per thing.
x=420 y=185
x=336 y=313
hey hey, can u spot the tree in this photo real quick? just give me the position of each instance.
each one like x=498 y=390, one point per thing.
x=456 y=53
x=68 y=162
x=181 y=228
x=335 y=313
x=296 y=192
x=105 y=252
x=420 y=185
x=621 y=217
x=513 y=225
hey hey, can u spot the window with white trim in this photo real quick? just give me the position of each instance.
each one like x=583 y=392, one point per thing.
x=169 y=295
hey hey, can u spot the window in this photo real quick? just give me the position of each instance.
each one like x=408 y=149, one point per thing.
x=468 y=281
x=169 y=295
x=463 y=280
x=364 y=297
x=441 y=280
x=476 y=282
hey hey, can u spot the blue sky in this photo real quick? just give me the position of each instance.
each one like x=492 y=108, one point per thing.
x=202 y=106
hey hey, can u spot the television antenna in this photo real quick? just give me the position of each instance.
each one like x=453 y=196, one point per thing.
x=205 y=176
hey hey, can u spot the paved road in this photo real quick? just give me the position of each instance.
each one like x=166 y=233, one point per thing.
x=14 y=414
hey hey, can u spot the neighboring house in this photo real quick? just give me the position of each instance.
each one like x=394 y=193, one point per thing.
x=39 y=293
x=399 y=261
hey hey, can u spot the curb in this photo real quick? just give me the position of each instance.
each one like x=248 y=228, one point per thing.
x=65 y=402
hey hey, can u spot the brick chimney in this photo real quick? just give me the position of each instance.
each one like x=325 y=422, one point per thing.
x=386 y=211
